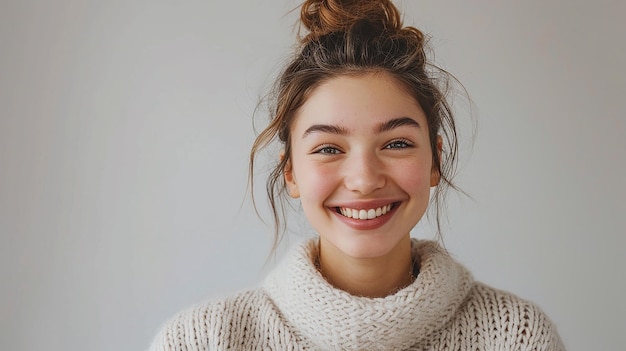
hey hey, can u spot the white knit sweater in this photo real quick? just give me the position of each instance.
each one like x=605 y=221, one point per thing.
x=296 y=309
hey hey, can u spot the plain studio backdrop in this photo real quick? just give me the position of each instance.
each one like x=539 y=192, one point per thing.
x=125 y=128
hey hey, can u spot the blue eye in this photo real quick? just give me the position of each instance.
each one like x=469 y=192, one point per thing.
x=328 y=150
x=398 y=144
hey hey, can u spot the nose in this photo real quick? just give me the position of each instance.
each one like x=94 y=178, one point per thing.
x=364 y=172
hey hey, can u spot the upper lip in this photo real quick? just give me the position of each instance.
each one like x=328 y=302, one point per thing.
x=364 y=204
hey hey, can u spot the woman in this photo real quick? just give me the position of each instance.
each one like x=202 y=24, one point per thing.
x=367 y=133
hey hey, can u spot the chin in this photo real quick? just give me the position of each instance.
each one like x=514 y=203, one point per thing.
x=366 y=246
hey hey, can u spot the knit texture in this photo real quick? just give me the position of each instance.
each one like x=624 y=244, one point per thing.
x=296 y=309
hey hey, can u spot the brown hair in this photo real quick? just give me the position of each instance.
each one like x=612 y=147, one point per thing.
x=353 y=37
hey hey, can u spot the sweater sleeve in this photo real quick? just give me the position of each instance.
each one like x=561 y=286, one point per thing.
x=188 y=330
x=217 y=324
x=536 y=331
x=244 y=321
x=510 y=323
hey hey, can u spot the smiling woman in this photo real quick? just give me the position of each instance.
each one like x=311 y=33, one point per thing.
x=367 y=134
x=359 y=148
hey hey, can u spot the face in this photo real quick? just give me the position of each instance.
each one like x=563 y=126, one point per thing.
x=361 y=164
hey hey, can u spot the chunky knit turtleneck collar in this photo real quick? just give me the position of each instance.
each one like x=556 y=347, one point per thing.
x=332 y=319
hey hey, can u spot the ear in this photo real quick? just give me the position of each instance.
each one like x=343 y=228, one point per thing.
x=435 y=176
x=290 y=179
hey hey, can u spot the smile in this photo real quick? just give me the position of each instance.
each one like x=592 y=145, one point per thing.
x=364 y=214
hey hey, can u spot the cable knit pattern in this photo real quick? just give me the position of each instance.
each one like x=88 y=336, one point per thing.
x=296 y=309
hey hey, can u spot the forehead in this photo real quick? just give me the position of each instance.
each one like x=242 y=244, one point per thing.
x=357 y=101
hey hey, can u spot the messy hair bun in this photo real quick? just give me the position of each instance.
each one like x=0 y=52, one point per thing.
x=352 y=37
x=321 y=17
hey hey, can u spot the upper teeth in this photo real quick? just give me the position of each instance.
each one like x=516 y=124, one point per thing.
x=365 y=214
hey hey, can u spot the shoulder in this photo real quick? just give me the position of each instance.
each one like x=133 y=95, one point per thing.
x=505 y=320
x=217 y=323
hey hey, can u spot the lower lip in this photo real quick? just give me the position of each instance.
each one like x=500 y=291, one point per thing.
x=367 y=224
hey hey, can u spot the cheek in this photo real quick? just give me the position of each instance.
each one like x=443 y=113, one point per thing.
x=316 y=184
x=414 y=177
x=315 y=181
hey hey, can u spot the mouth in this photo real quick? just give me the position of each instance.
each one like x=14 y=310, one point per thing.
x=366 y=214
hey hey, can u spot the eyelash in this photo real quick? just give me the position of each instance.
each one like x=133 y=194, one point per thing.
x=405 y=144
x=324 y=150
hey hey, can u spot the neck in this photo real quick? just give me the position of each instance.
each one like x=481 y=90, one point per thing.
x=369 y=277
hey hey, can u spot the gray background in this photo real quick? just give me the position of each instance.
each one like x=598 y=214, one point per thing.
x=125 y=128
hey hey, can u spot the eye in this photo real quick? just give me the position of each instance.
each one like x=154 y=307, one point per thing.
x=327 y=150
x=399 y=144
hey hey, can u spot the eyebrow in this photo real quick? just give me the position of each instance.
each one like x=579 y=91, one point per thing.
x=397 y=122
x=325 y=128
x=382 y=127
